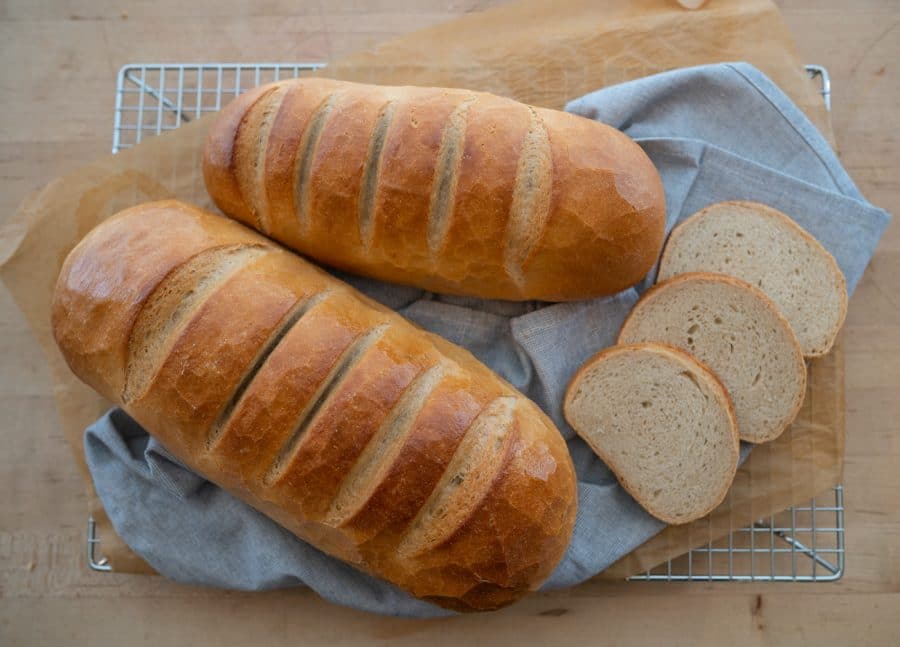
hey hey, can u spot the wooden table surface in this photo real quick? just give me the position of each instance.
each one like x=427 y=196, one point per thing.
x=59 y=65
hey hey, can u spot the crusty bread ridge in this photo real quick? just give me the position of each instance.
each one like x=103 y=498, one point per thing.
x=375 y=441
x=662 y=422
x=738 y=332
x=766 y=248
x=449 y=190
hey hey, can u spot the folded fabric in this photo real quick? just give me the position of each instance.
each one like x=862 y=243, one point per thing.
x=716 y=132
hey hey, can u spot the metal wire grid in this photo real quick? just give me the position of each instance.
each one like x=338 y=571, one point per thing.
x=151 y=99
x=804 y=543
x=801 y=544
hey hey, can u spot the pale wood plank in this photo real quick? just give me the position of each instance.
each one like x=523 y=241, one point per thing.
x=748 y=618
x=57 y=92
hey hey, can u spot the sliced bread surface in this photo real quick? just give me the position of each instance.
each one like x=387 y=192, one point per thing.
x=662 y=422
x=767 y=249
x=737 y=332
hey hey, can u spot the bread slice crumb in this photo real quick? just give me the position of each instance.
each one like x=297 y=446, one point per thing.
x=767 y=249
x=736 y=331
x=662 y=422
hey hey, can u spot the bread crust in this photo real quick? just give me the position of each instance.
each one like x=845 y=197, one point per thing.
x=713 y=382
x=278 y=381
x=424 y=186
x=96 y=330
x=786 y=221
x=797 y=355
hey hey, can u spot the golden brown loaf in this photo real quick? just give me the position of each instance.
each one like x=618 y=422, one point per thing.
x=377 y=442
x=449 y=190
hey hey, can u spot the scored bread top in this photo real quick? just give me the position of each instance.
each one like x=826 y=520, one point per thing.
x=738 y=332
x=98 y=296
x=375 y=441
x=450 y=190
x=662 y=422
x=767 y=249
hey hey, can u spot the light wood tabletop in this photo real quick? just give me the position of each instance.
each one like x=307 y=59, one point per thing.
x=60 y=61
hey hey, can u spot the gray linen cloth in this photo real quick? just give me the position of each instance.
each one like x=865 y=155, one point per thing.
x=716 y=132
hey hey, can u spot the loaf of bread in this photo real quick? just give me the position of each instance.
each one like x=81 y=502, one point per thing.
x=735 y=330
x=379 y=443
x=449 y=190
x=765 y=248
x=662 y=422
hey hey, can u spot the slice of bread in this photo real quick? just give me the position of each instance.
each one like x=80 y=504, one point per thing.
x=662 y=422
x=736 y=331
x=767 y=249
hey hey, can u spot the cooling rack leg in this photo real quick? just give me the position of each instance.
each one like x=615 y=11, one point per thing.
x=101 y=564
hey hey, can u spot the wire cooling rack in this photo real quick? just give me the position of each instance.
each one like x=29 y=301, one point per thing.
x=804 y=543
x=151 y=99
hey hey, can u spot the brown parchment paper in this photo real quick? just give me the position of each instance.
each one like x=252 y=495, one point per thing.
x=541 y=52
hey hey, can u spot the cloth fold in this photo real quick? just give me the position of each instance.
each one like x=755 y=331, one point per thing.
x=715 y=132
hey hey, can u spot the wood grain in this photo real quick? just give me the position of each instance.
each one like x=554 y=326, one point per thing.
x=57 y=92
